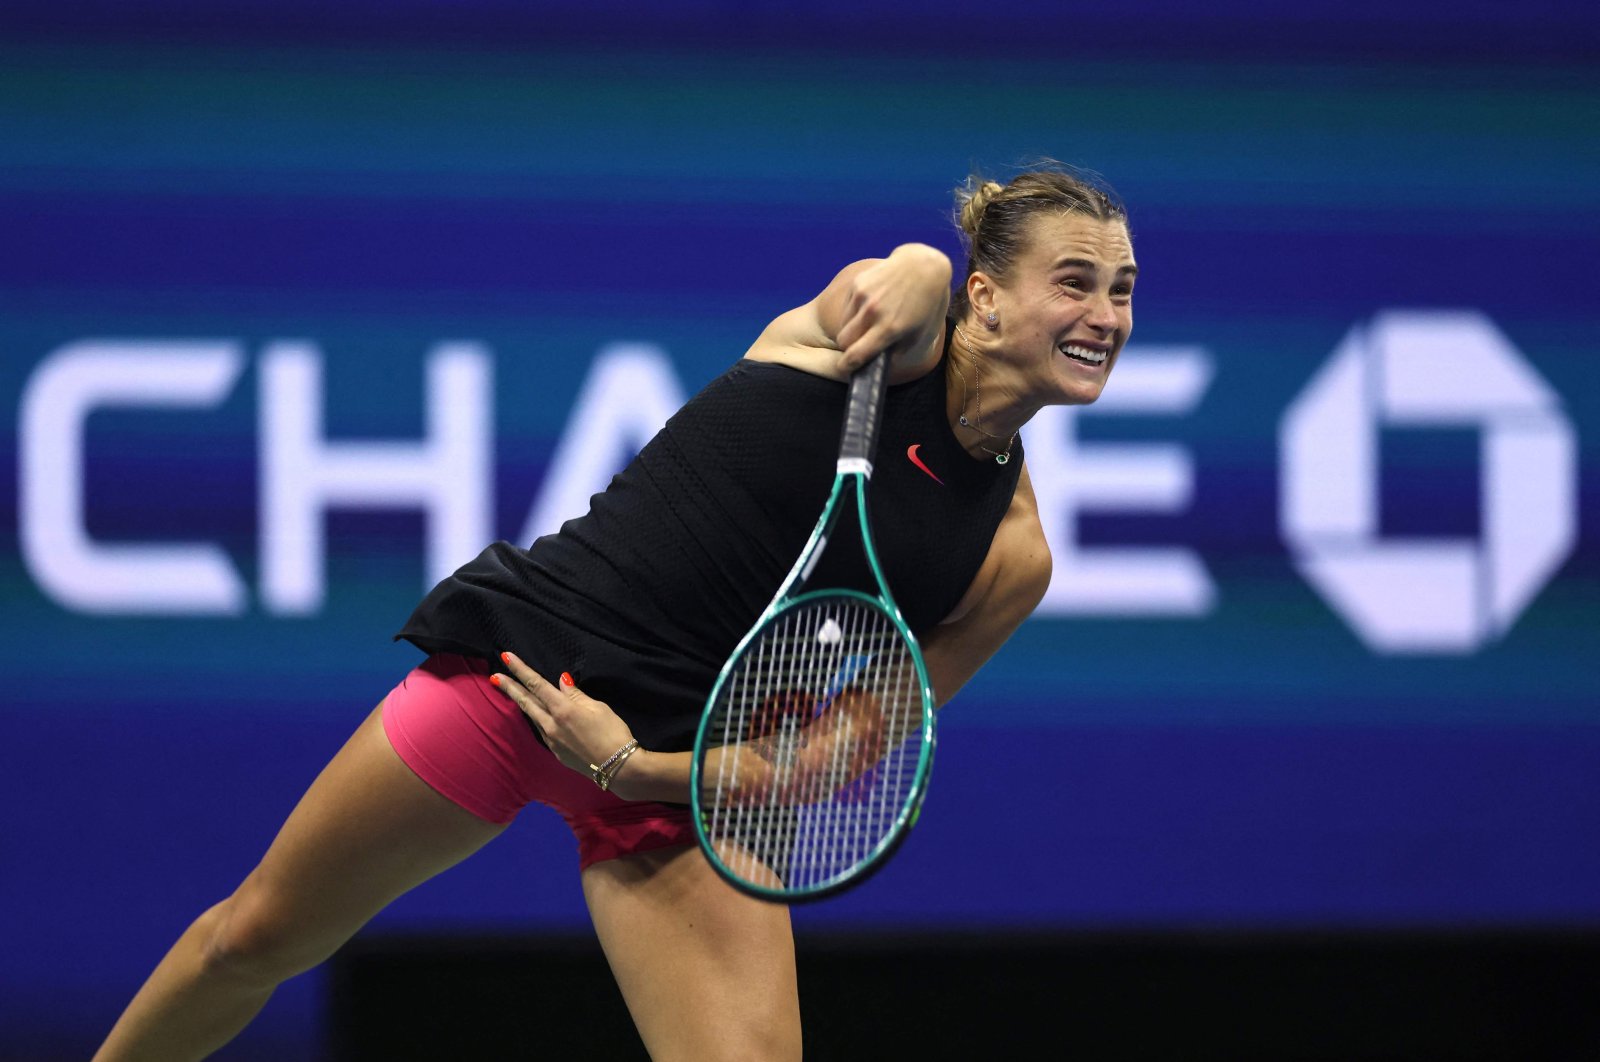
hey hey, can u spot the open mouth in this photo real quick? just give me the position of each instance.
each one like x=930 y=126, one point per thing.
x=1087 y=355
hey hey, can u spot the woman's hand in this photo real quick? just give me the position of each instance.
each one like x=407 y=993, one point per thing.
x=579 y=729
x=896 y=304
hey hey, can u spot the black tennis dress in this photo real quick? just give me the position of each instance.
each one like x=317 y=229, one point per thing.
x=643 y=598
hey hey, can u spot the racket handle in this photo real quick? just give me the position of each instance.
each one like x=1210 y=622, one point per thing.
x=862 y=414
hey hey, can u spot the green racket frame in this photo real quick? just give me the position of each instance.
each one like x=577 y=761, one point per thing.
x=858 y=441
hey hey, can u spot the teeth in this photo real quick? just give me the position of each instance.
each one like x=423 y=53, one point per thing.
x=1093 y=357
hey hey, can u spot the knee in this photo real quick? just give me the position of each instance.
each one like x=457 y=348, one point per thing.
x=746 y=1038
x=765 y=1044
x=248 y=937
x=777 y=1040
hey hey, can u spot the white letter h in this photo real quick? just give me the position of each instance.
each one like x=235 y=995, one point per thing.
x=303 y=475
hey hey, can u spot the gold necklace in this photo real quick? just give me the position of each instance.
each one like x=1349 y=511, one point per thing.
x=1000 y=456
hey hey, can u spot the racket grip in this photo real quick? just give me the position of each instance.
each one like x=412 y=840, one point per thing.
x=863 y=412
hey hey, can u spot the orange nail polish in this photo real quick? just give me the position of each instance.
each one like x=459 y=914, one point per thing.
x=566 y=679
x=505 y=658
x=495 y=681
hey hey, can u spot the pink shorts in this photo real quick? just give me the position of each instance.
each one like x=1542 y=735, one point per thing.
x=471 y=744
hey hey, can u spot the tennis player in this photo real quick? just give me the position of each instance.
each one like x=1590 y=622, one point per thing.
x=613 y=631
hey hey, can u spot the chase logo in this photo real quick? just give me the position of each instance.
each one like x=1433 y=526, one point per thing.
x=1401 y=595
x=1419 y=370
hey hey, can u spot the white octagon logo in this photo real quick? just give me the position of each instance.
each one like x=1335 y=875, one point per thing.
x=1420 y=369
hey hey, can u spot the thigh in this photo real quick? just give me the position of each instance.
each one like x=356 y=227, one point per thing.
x=707 y=972
x=366 y=831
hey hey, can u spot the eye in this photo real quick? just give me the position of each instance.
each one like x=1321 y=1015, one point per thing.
x=1074 y=283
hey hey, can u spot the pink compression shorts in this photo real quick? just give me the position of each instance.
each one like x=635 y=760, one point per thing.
x=471 y=744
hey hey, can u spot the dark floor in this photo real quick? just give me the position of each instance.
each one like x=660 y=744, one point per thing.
x=1344 y=997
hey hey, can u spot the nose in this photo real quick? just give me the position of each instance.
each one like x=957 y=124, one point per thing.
x=1101 y=316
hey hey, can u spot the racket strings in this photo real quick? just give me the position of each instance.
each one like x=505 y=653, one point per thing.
x=818 y=738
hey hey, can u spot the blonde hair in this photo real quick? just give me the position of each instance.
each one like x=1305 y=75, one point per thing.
x=995 y=218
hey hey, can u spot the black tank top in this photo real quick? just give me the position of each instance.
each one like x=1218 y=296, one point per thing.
x=643 y=598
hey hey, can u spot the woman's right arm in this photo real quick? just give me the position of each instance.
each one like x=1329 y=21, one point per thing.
x=896 y=304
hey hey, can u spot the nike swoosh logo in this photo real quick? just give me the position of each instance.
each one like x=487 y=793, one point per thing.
x=911 y=452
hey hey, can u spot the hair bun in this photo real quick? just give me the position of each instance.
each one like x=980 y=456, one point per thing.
x=975 y=199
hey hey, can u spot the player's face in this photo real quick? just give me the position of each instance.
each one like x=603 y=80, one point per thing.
x=1067 y=307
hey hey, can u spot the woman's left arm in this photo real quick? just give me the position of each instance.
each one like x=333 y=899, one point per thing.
x=1009 y=586
x=582 y=732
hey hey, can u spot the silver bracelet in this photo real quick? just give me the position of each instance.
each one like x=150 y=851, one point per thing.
x=606 y=785
x=602 y=772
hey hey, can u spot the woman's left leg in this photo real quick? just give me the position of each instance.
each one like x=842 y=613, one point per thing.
x=707 y=972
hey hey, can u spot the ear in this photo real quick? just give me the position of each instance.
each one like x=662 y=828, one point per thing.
x=981 y=293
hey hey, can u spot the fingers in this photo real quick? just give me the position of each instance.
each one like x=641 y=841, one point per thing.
x=893 y=305
x=536 y=697
x=577 y=728
x=864 y=311
x=531 y=679
x=523 y=690
x=860 y=353
x=864 y=337
x=866 y=331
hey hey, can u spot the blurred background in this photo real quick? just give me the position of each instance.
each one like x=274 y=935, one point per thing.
x=303 y=303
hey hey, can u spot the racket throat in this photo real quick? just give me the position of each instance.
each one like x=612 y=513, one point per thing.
x=811 y=560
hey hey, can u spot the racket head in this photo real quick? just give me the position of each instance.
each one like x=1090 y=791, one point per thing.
x=813 y=754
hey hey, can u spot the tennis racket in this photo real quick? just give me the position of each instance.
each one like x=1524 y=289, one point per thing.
x=813 y=753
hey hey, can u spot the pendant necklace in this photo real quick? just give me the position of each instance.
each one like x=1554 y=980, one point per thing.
x=976 y=424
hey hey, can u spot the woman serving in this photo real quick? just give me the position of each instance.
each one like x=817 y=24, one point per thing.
x=632 y=609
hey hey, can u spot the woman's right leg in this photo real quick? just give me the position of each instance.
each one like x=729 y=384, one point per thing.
x=366 y=831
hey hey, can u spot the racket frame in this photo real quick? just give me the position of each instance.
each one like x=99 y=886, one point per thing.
x=854 y=469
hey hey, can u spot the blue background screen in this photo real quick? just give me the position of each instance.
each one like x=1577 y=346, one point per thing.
x=1320 y=649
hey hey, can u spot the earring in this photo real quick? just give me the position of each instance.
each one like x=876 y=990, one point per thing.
x=993 y=319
